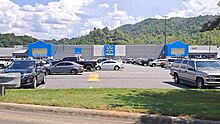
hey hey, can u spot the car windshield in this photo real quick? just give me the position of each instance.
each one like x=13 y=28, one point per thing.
x=22 y=65
x=207 y=64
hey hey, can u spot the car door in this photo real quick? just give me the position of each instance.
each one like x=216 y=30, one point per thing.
x=38 y=70
x=111 y=64
x=191 y=72
x=108 y=65
x=58 y=68
x=68 y=67
x=183 y=70
x=104 y=65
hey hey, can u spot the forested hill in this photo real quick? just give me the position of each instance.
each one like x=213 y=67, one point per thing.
x=9 y=40
x=149 y=31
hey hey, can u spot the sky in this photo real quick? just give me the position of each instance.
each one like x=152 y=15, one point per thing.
x=56 y=19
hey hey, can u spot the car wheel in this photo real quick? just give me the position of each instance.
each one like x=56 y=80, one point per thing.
x=176 y=79
x=116 y=68
x=34 y=83
x=153 y=65
x=145 y=64
x=44 y=80
x=48 y=72
x=98 y=68
x=74 y=72
x=88 y=68
x=200 y=83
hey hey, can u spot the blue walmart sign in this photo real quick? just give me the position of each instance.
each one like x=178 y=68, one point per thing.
x=78 y=50
x=109 y=50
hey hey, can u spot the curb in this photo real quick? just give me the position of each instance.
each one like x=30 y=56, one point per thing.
x=141 y=118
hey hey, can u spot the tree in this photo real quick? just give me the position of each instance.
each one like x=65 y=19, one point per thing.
x=212 y=24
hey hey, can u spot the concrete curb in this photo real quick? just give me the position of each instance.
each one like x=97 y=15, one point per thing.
x=141 y=118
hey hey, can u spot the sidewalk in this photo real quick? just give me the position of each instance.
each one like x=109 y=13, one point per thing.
x=142 y=118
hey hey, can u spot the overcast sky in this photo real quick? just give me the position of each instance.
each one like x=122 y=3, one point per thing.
x=55 y=19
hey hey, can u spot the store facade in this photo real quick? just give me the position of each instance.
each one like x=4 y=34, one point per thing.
x=40 y=50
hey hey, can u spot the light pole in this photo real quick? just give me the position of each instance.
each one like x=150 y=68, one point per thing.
x=165 y=30
x=209 y=42
x=165 y=35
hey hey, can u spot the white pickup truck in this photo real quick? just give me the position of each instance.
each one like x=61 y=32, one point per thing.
x=4 y=62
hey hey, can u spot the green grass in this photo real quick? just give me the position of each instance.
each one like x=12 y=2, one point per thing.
x=201 y=104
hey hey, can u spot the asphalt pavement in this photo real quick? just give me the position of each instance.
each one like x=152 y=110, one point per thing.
x=132 y=76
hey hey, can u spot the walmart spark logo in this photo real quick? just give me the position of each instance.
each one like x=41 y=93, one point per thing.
x=109 y=50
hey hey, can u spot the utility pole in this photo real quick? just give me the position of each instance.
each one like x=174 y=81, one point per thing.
x=165 y=35
x=165 y=30
x=209 y=42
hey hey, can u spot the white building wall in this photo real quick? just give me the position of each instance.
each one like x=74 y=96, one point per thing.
x=202 y=49
x=98 y=50
x=120 y=50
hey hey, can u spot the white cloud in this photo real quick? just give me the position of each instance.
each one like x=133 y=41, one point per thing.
x=66 y=18
x=120 y=17
x=195 y=8
x=104 y=5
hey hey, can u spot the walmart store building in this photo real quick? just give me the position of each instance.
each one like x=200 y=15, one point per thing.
x=42 y=49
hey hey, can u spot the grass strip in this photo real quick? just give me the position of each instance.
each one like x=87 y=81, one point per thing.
x=200 y=104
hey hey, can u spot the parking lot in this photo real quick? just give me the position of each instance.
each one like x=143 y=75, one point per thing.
x=132 y=76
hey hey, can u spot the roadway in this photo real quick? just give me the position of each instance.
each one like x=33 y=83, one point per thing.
x=22 y=117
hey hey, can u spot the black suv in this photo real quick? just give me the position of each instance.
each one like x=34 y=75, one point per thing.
x=32 y=73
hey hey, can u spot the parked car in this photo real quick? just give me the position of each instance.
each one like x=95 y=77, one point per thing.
x=169 y=62
x=130 y=60
x=99 y=60
x=65 y=67
x=31 y=74
x=136 y=61
x=4 y=62
x=198 y=72
x=156 y=62
x=145 y=61
x=110 y=64
x=88 y=65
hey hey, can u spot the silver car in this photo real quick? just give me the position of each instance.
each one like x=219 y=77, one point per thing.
x=65 y=67
x=200 y=72
x=169 y=62
x=109 y=65
x=157 y=62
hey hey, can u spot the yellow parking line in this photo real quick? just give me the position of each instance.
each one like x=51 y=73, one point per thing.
x=93 y=77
